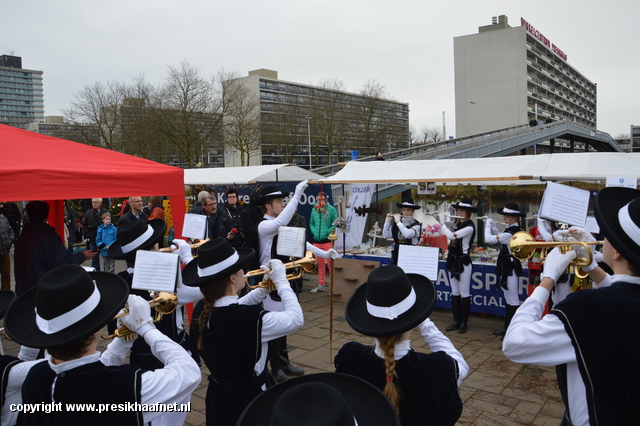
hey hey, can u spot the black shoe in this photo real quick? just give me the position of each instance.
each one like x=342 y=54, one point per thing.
x=290 y=369
x=279 y=375
x=463 y=328
x=454 y=326
x=465 y=308
x=500 y=332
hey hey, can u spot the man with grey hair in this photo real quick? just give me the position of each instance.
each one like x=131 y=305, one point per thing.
x=197 y=207
x=135 y=213
x=90 y=223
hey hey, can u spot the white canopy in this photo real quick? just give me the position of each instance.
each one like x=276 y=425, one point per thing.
x=518 y=170
x=248 y=174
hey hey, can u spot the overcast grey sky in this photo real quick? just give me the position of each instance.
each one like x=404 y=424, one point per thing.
x=406 y=45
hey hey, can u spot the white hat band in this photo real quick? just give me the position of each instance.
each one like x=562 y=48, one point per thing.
x=67 y=319
x=214 y=269
x=628 y=225
x=392 y=312
x=274 y=193
x=464 y=205
x=126 y=248
x=506 y=210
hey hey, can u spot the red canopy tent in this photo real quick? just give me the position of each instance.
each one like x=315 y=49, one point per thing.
x=39 y=167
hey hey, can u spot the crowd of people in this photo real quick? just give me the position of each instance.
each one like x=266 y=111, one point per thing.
x=59 y=310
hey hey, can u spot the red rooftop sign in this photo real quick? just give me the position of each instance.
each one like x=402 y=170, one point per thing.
x=537 y=34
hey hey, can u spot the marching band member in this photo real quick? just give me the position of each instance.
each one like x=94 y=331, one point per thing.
x=459 y=263
x=233 y=332
x=424 y=388
x=13 y=369
x=65 y=314
x=404 y=229
x=277 y=214
x=508 y=268
x=547 y=230
x=140 y=235
x=591 y=335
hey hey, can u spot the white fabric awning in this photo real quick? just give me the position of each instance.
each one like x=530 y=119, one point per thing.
x=518 y=170
x=248 y=174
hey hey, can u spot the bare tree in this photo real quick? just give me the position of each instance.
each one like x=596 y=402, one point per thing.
x=372 y=116
x=141 y=129
x=98 y=104
x=330 y=121
x=189 y=110
x=241 y=120
x=433 y=134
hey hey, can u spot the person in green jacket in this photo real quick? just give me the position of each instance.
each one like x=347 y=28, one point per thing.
x=321 y=225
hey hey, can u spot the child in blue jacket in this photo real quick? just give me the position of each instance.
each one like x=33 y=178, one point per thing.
x=107 y=235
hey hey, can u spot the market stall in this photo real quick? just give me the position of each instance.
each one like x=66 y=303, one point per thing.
x=518 y=170
x=40 y=167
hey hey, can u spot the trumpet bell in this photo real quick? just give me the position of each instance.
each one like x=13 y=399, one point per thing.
x=520 y=245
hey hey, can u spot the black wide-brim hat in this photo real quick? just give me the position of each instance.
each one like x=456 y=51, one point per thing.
x=511 y=209
x=270 y=193
x=388 y=286
x=6 y=297
x=71 y=302
x=367 y=404
x=216 y=260
x=465 y=204
x=136 y=235
x=618 y=222
x=408 y=203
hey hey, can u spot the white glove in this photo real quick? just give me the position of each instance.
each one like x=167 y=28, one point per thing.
x=598 y=257
x=301 y=187
x=184 y=250
x=277 y=274
x=333 y=254
x=580 y=234
x=139 y=318
x=582 y=252
x=396 y=217
x=556 y=263
x=493 y=227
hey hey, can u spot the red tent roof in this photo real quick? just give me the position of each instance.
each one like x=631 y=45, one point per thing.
x=40 y=167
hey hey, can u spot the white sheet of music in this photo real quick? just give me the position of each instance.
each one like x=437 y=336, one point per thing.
x=564 y=203
x=195 y=226
x=156 y=271
x=291 y=241
x=419 y=260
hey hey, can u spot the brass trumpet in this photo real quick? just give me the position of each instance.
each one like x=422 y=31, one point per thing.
x=163 y=303
x=523 y=246
x=307 y=264
x=193 y=246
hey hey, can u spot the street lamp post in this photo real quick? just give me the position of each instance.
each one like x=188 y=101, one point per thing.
x=309 y=136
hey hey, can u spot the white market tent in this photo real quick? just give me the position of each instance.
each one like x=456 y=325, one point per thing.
x=248 y=174
x=515 y=170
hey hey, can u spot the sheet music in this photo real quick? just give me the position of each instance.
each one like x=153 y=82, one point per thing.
x=592 y=225
x=195 y=226
x=419 y=260
x=156 y=271
x=564 y=203
x=291 y=241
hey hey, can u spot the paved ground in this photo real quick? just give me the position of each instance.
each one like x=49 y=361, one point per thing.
x=496 y=391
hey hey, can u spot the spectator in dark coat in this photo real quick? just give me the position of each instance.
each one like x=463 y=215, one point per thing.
x=135 y=203
x=234 y=209
x=39 y=249
x=90 y=224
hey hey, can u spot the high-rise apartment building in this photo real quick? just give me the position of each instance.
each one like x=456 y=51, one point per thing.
x=634 y=138
x=506 y=76
x=21 y=95
x=300 y=123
